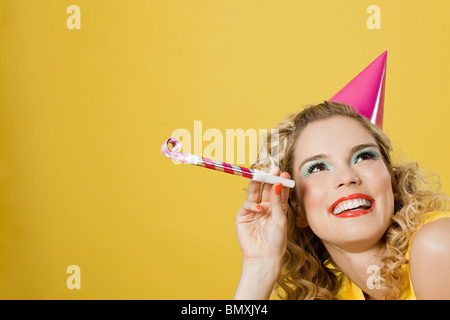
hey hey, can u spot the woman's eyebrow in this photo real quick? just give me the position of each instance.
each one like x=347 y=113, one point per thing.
x=362 y=146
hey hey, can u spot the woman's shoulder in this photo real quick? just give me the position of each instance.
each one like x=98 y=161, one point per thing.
x=429 y=258
x=434 y=233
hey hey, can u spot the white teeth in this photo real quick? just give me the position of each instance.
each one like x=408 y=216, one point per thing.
x=351 y=204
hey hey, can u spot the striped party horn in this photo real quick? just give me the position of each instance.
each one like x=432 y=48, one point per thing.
x=254 y=174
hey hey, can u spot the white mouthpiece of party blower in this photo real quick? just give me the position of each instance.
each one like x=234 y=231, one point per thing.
x=262 y=176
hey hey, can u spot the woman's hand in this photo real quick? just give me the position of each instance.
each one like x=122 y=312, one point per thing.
x=261 y=226
x=261 y=221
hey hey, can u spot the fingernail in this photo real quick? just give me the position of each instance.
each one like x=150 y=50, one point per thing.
x=259 y=207
x=278 y=188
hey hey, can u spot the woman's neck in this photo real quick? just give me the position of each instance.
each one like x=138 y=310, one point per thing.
x=361 y=267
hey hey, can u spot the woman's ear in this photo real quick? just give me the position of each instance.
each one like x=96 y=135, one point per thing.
x=300 y=217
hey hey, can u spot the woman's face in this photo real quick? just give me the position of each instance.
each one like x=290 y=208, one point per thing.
x=342 y=183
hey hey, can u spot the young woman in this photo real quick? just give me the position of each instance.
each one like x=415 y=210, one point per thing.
x=355 y=226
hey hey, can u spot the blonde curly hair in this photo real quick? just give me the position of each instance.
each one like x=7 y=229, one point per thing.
x=304 y=274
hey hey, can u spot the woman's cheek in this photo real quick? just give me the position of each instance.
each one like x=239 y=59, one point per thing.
x=376 y=175
x=313 y=194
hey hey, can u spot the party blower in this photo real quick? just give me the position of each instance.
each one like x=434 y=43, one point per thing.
x=254 y=174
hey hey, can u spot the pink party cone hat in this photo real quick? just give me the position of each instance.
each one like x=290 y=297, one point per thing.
x=365 y=93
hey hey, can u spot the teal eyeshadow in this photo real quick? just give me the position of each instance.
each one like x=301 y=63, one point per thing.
x=369 y=150
x=309 y=165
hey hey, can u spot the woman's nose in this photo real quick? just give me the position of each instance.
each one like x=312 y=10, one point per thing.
x=347 y=177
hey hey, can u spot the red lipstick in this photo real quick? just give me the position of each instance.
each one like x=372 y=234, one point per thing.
x=352 y=213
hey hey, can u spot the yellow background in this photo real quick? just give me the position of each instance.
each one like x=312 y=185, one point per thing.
x=84 y=113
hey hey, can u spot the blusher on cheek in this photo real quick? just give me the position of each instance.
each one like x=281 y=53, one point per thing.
x=379 y=177
x=312 y=196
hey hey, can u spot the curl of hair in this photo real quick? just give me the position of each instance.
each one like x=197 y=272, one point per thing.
x=303 y=275
x=416 y=196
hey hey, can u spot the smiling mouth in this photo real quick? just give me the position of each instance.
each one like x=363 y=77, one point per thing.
x=354 y=205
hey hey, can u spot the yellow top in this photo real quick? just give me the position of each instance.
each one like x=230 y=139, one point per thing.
x=350 y=291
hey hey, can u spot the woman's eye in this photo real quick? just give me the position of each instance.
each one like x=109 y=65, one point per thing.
x=317 y=167
x=366 y=155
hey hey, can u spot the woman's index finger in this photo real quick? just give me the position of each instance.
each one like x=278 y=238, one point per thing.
x=253 y=192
